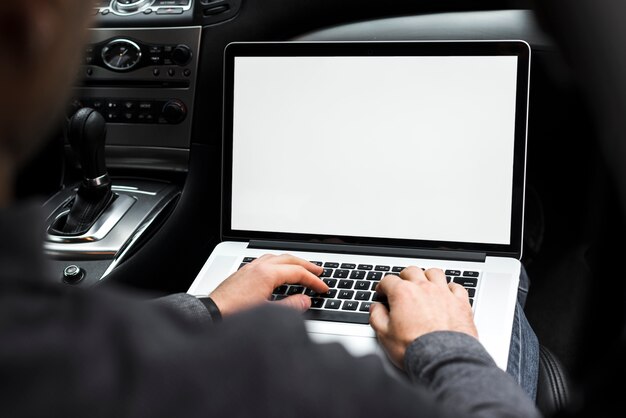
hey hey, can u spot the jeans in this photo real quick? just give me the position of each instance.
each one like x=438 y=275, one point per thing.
x=523 y=362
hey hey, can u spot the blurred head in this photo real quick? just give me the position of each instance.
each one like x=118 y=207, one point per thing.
x=41 y=43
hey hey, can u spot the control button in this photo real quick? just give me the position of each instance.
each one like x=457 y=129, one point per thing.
x=129 y=105
x=147 y=11
x=89 y=71
x=174 y=111
x=145 y=106
x=168 y=49
x=128 y=116
x=105 y=12
x=216 y=10
x=97 y=105
x=181 y=55
x=171 y=3
x=155 y=59
x=156 y=72
x=111 y=116
x=171 y=72
x=88 y=59
x=186 y=72
x=155 y=49
x=73 y=274
x=170 y=11
x=111 y=105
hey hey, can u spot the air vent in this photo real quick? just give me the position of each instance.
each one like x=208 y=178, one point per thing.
x=214 y=11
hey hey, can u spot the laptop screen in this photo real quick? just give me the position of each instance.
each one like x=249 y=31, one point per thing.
x=405 y=147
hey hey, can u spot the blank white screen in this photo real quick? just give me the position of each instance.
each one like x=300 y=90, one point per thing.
x=391 y=147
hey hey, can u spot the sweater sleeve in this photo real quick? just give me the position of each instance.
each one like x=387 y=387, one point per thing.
x=460 y=372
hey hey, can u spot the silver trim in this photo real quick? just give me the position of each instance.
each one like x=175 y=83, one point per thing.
x=106 y=48
x=117 y=226
x=98 y=181
x=132 y=8
x=105 y=223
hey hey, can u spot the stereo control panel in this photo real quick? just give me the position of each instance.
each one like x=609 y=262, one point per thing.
x=143 y=81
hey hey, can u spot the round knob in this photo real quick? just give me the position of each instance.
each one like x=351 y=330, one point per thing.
x=174 y=111
x=181 y=55
x=73 y=274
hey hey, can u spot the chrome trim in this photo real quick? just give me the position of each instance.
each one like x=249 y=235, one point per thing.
x=148 y=199
x=105 y=223
x=106 y=48
x=123 y=252
x=98 y=181
x=132 y=8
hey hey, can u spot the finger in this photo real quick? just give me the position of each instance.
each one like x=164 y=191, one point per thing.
x=292 y=259
x=436 y=276
x=458 y=291
x=413 y=274
x=298 y=302
x=288 y=273
x=379 y=318
x=388 y=284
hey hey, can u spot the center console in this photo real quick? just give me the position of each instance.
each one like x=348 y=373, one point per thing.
x=139 y=79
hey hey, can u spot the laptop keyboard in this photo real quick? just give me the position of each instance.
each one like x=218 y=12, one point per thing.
x=353 y=289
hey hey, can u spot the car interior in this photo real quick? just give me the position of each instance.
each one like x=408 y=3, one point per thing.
x=146 y=119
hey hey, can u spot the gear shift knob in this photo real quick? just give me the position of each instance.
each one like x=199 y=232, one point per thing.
x=87 y=134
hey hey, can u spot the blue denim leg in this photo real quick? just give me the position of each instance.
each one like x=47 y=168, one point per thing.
x=523 y=362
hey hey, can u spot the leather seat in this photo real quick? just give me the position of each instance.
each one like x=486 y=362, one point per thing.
x=552 y=386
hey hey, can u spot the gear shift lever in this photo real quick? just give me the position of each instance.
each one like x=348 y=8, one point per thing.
x=87 y=134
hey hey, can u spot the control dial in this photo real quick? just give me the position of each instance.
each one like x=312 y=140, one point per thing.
x=174 y=111
x=130 y=6
x=181 y=55
x=121 y=54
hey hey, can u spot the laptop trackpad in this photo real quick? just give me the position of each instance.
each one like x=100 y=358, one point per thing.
x=355 y=345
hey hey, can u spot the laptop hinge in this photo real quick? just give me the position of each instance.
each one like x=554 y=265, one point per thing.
x=369 y=250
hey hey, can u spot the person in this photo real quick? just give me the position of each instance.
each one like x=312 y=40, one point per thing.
x=85 y=352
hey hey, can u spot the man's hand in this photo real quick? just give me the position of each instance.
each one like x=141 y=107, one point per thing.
x=253 y=284
x=419 y=302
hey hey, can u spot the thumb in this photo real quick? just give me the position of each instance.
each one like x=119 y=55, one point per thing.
x=297 y=302
x=379 y=318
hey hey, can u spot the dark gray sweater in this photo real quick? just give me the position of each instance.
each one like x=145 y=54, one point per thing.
x=92 y=353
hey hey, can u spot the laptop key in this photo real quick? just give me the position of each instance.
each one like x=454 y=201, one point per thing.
x=363 y=295
x=471 y=292
x=374 y=275
x=470 y=273
x=327 y=273
x=294 y=290
x=362 y=285
x=279 y=297
x=346 y=294
x=448 y=279
x=397 y=269
x=348 y=266
x=241 y=265
x=280 y=290
x=331 y=265
x=341 y=274
x=365 y=306
x=379 y=297
x=350 y=305
x=453 y=273
x=345 y=284
x=382 y=268
x=338 y=316
x=466 y=281
x=330 y=294
x=310 y=292
x=317 y=263
x=248 y=259
x=330 y=282
x=471 y=302
x=317 y=303
x=358 y=274
x=332 y=304
x=365 y=267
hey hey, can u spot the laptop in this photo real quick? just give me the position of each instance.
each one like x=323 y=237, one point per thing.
x=367 y=157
